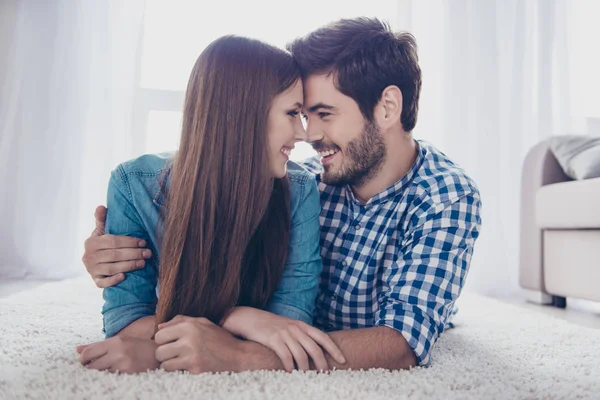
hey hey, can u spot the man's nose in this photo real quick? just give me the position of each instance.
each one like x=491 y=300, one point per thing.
x=313 y=133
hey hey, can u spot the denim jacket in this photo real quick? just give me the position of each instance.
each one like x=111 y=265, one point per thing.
x=134 y=202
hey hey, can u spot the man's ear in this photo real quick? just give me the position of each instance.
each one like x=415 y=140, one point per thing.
x=389 y=108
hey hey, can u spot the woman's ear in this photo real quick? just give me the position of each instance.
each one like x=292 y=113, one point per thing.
x=389 y=108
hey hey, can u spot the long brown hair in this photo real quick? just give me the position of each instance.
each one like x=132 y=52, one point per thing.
x=227 y=220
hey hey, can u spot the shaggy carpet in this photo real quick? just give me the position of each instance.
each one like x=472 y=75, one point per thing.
x=496 y=351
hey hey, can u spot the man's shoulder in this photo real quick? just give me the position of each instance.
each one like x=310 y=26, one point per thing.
x=440 y=179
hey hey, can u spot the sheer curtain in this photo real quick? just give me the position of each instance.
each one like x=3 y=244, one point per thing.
x=495 y=82
x=86 y=85
x=67 y=78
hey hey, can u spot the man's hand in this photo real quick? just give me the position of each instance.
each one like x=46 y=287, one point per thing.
x=124 y=354
x=196 y=345
x=108 y=257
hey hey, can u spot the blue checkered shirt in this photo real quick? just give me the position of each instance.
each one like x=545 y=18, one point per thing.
x=400 y=260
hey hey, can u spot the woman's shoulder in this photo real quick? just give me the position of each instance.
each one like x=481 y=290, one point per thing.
x=147 y=165
x=142 y=177
x=298 y=174
x=304 y=193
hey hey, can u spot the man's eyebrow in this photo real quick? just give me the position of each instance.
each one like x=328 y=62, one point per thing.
x=317 y=106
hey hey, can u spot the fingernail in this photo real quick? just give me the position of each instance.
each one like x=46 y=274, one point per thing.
x=142 y=243
x=343 y=360
x=147 y=253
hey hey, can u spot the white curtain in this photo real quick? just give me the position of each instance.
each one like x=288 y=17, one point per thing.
x=67 y=74
x=495 y=82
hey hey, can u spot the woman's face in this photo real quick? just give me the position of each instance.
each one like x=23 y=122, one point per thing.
x=284 y=128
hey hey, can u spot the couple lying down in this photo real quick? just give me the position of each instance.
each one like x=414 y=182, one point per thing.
x=227 y=256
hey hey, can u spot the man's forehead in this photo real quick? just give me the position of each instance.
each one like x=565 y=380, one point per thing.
x=320 y=89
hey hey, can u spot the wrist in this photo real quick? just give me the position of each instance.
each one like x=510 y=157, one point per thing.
x=252 y=356
x=240 y=356
x=232 y=322
x=241 y=321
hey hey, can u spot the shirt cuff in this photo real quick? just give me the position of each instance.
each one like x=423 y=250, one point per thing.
x=118 y=318
x=416 y=328
x=285 y=310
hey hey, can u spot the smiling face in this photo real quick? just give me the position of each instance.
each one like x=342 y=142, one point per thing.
x=284 y=128
x=352 y=148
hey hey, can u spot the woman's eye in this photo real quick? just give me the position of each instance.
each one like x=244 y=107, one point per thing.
x=293 y=114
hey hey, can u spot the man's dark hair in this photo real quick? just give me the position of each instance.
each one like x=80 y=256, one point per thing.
x=365 y=56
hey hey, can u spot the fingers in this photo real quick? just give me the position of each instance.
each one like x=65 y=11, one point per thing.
x=120 y=267
x=118 y=255
x=108 y=281
x=323 y=340
x=166 y=352
x=80 y=348
x=178 y=318
x=105 y=256
x=110 y=242
x=284 y=354
x=100 y=216
x=312 y=349
x=102 y=363
x=93 y=351
x=167 y=335
x=110 y=274
x=300 y=356
x=174 y=364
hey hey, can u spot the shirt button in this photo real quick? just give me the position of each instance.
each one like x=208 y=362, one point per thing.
x=344 y=263
x=357 y=227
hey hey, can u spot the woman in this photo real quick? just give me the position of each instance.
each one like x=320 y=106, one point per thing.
x=238 y=233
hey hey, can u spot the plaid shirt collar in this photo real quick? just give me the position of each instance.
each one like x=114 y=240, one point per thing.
x=397 y=189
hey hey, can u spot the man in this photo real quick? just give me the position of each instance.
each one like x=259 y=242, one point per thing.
x=399 y=220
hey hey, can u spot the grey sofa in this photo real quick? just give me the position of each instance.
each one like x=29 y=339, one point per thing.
x=560 y=232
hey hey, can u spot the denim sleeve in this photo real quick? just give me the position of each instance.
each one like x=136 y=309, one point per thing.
x=135 y=296
x=297 y=291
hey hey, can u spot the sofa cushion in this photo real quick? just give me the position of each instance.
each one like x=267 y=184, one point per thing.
x=569 y=205
x=578 y=155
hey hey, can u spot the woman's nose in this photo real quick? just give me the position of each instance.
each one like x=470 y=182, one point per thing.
x=299 y=133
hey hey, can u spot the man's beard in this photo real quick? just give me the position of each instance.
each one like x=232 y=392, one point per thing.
x=363 y=158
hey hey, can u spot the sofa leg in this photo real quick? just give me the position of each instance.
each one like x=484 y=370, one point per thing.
x=538 y=297
x=559 y=302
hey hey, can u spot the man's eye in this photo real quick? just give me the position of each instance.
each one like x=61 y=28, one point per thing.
x=323 y=114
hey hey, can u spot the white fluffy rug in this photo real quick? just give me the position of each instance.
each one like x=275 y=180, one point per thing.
x=497 y=351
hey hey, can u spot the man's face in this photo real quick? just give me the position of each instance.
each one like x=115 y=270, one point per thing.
x=352 y=149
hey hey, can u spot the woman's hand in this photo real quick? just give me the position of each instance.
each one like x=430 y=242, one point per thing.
x=196 y=345
x=124 y=354
x=292 y=340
